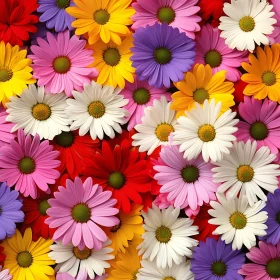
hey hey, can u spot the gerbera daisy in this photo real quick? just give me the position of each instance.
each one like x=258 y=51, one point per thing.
x=167 y=237
x=180 y=14
x=5 y=128
x=275 y=36
x=263 y=75
x=97 y=110
x=113 y=62
x=247 y=22
x=203 y=130
x=61 y=63
x=246 y=170
x=72 y=260
x=266 y=262
x=211 y=49
x=37 y=112
x=199 y=85
x=27 y=259
x=157 y=124
x=5 y=274
x=2 y=256
x=77 y=211
x=29 y=164
x=161 y=53
x=237 y=221
x=15 y=71
x=215 y=260
x=54 y=14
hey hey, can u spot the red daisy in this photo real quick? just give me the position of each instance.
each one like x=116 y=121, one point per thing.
x=2 y=256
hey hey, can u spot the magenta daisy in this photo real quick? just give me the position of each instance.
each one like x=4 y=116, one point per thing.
x=77 y=211
x=179 y=14
x=140 y=95
x=211 y=49
x=5 y=128
x=29 y=164
x=61 y=63
x=261 y=123
x=275 y=36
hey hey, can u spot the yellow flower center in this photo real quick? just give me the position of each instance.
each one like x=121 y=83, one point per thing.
x=162 y=55
x=238 y=220
x=101 y=16
x=166 y=14
x=111 y=56
x=41 y=111
x=26 y=165
x=169 y=278
x=65 y=139
x=24 y=259
x=200 y=95
x=62 y=4
x=61 y=64
x=141 y=96
x=269 y=78
x=258 y=131
x=163 y=234
x=81 y=213
x=116 y=180
x=43 y=207
x=96 y=109
x=245 y=173
x=5 y=74
x=213 y=58
x=163 y=131
x=206 y=133
x=81 y=254
x=247 y=24
x=219 y=268
x=273 y=268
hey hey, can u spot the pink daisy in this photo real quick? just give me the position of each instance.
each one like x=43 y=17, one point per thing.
x=261 y=123
x=187 y=182
x=29 y=164
x=140 y=95
x=77 y=211
x=5 y=128
x=60 y=63
x=177 y=13
x=211 y=49
x=266 y=264
x=275 y=36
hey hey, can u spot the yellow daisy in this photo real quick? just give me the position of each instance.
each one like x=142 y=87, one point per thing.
x=15 y=71
x=200 y=84
x=105 y=19
x=28 y=260
x=113 y=62
x=263 y=75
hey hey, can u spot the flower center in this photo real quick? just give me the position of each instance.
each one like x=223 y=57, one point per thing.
x=82 y=254
x=81 y=213
x=111 y=56
x=166 y=14
x=163 y=131
x=169 y=278
x=245 y=173
x=26 y=165
x=238 y=220
x=213 y=58
x=273 y=268
x=206 y=133
x=258 y=131
x=96 y=109
x=141 y=96
x=190 y=174
x=163 y=234
x=5 y=75
x=219 y=268
x=65 y=139
x=43 y=207
x=269 y=78
x=101 y=17
x=24 y=259
x=41 y=111
x=278 y=218
x=62 y=4
x=200 y=95
x=116 y=227
x=162 y=55
x=116 y=180
x=61 y=64
x=247 y=24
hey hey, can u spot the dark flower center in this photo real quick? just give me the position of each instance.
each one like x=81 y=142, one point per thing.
x=81 y=213
x=200 y=95
x=26 y=165
x=166 y=14
x=82 y=254
x=258 y=131
x=116 y=180
x=247 y=24
x=141 y=96
x=101 y=17
x=163 y=234
x=111 y=56
x=219 y=268
x=213 y=58
x=162 y=55
x=238 y=220
x=96 y=109
x=62 y=4
x=5 y=75
x=206 y=133
x=190 y=174
x=41 y=111
x=65 y=139
x=43 y=207
x=273 y=268
x=116 y=227
x=61 y=64
x=269 y=78
x=245 y=173
x=24 y=259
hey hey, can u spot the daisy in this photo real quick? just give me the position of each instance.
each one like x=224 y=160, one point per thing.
x=77 y=211
x=237 y=221
x=5 y=128
x=157 y=124
x=275 y=36
x=211 y=49
x=5 y=274
x=178 y=14
x=29 y=164
x=246 y=170
x=73 y=260
x=247 y=22
x=167 y=238
x=199 y=85
x=81 y=276
x=205 y=130
x=61 y=63
x=97 y=110
x=37 y=112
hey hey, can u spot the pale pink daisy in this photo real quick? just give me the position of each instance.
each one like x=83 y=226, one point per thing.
x=61 y=63
x=77 y=211
x=5 y=128
x=179 y=14
x=29 y=164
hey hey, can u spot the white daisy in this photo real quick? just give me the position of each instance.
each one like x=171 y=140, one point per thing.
x=158 y=123
x=202 y=129
x=238 y=222
x=150 y=271
x=97 y=110
x=166 y=236
x=4 y=274
x=72 y=260
x=247 y=168
x=36 y=111
x=247 y=22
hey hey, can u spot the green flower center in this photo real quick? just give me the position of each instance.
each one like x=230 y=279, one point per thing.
x=116 y=180
x=111 y=56
x=245 y=173
x=163 y=234
x=24 y=259
x=219 y=268
x=82 y=254
x=5 y=75
x=26 y=165
x=61 y=64
x=200 y=95
x=213 y=58
x=162 y=55
x=141 y=96
x=96 y=109
x=238 y=220
x=163 y=131
x=41 y=111
x=81 y=213
x=269 y=78
x=190 y=174
x=278 y=217
x=65 y=139
x=273 y=268
x=43 y=207
x=247 y=24
x=166 y=14
x=62 y=4
x=206 y=133
x=258 y=131
x=101 y=17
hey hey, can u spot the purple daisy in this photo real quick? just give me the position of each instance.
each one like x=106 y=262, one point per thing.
x=214 y=260
x=161 y=53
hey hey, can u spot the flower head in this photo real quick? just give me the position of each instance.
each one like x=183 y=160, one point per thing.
x=5 y=128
